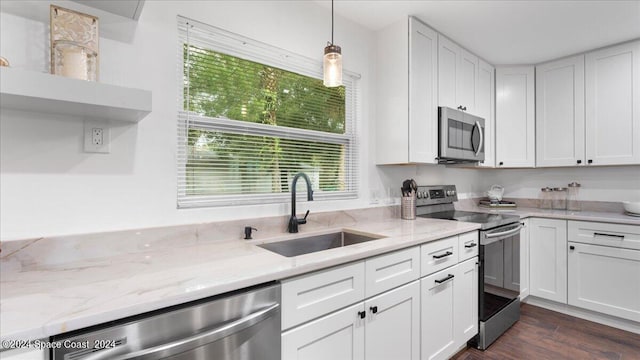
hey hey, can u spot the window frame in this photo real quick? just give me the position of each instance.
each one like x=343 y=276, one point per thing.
x=191 y=32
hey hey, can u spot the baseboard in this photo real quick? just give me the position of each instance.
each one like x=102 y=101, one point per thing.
x=600 y=318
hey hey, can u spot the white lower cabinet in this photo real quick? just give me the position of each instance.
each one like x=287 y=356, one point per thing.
x=386 y=326
x=392 y=328
x=380 y=309
x=339 y=335
x=437 y=296
x=465 y=302
x=449 y=301
x=548 y=259
x=605 y=279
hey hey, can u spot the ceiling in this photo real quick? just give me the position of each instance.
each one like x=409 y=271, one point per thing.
x=508 y=32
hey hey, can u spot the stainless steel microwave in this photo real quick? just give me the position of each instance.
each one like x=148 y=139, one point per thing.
x=461 y=136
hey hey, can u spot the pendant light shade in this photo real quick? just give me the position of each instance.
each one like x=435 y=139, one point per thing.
x=332 y=65
x=332 y=62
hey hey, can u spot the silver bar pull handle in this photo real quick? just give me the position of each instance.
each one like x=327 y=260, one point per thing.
x=194 y=341
x=621 y=237
x=505 y=233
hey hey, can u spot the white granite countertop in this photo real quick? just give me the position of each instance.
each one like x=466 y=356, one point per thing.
x=38 y=303
x=62 y=294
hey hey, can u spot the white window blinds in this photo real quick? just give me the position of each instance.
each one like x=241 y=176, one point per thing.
x=251 y=116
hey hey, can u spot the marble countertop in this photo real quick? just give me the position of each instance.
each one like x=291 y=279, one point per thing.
x=70 y=284
x=40 y=302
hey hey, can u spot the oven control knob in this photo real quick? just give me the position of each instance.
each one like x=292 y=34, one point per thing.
x=425 y=194
x=419 y=195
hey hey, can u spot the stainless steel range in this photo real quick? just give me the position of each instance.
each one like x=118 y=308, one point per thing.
x=499 y=257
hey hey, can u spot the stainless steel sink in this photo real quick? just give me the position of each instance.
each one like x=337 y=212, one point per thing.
x=311 y=244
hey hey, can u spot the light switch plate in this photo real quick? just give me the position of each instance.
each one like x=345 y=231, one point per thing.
x=97 y=136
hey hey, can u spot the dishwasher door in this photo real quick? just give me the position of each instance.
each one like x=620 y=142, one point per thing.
x=240 y=326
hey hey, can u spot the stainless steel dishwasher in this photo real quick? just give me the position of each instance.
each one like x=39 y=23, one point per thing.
x=241 y=325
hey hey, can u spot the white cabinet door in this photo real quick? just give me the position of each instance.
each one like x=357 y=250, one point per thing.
x=485 y=108
x=560 y=112
x=548 y=259
x=423 y=87
x=457 y=76
x=437 y=296
x=524 y=260
x=467 y=81
x=515 y=121
x=393 y=324
x=465 y=314
x=448 y=62
x=605 y=279
x=613 y=105
x=339 y=335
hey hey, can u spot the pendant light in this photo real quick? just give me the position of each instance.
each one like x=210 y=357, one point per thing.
x=332 y=62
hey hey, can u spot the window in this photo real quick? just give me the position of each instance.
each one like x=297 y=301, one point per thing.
x=251 y=116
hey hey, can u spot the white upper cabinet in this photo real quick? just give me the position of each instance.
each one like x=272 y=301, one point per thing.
x=407 y=107
x=457 y=76
x=613 y=105
x=467 y=81
x=560 y=112
x=423 y=105
x=515 y=122
x=485 y=108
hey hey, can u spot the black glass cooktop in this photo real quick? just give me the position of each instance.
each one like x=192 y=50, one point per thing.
x=488 y=221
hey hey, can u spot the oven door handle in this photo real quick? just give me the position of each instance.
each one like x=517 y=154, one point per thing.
x=479 y=127
x=196 y=340
x=504 y=234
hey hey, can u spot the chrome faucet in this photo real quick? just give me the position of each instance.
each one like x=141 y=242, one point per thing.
x=293 y=220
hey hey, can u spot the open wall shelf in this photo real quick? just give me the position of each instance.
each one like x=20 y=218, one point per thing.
x=46 y=93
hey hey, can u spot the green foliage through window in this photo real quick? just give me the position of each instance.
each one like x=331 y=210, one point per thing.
x=238 y=160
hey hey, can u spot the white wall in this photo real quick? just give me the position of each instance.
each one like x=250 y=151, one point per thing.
x=49 y=186
x=614 y=183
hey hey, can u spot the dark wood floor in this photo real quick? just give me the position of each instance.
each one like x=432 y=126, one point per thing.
x=543 y=334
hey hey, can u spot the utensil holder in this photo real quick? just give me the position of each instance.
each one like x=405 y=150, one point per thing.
x=408 y=207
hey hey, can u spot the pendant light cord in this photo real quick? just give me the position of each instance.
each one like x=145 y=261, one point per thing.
x=331 y=22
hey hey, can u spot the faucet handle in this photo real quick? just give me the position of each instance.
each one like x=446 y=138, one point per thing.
x=304 y=219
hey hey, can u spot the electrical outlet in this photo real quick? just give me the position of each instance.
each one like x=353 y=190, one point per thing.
x=96 y=136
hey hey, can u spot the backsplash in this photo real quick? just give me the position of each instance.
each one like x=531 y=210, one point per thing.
x=97 y=248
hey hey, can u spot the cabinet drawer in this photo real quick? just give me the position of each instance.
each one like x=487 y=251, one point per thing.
x=438 y=255
x=309 y=296
x=391 y=270
x=617 y=235
x=468 y=245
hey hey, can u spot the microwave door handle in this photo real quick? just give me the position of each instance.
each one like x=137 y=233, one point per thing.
x=481 y=137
